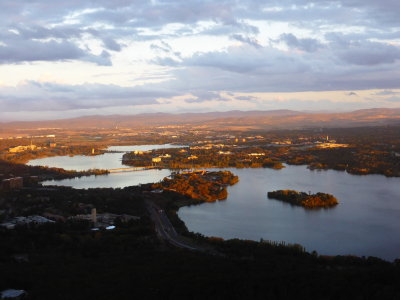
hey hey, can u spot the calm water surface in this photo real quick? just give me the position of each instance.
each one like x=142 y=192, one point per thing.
x=366 y=222
x=105 y=161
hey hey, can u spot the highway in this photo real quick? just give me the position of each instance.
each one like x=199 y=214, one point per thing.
x=164 y=228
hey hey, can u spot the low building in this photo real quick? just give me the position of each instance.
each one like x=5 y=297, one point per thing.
x=54 y=217
x=22 y=148
x=207 y=147
x=13 y=294
x=224 y=152
x=285 y=142
x=332 y=145
x=137 y=152
x=156 y=159
x=104 y=220
x=12 y=183
x=35 y=220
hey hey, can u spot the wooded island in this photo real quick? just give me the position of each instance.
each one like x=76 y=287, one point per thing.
x=309 y=201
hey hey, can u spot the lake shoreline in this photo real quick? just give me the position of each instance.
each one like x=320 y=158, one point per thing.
x=248 y=214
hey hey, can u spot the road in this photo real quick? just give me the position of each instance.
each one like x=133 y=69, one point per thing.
x=164 y=228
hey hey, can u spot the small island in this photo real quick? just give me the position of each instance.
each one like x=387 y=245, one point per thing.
x=309 y=201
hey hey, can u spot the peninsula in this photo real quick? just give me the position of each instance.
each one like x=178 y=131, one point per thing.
x=202 y=185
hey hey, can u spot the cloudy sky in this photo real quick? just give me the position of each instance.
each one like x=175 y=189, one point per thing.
x=83 y=57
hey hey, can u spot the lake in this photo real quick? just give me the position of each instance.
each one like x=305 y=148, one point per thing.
x=365 y=223
x=104 y=161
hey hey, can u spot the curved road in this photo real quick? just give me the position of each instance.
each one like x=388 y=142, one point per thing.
x=164 y=227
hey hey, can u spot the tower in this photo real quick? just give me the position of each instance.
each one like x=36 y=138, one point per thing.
x=94 y=216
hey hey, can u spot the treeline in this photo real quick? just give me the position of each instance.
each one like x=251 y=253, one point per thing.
x=128 y=261
x=358 y=160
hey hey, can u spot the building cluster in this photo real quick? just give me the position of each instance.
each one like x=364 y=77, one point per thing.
x=156 y=159
x=105 y=220
x=14 y=183
x=332 y=145
x=18 y=149
x=207 y=147
x=256 y=154
x=283 y=142
x=141 y=152
x=225 y=152
x=13 y=294
x=29 y=220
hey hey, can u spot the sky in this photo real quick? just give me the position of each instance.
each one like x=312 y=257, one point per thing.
x=61 y=59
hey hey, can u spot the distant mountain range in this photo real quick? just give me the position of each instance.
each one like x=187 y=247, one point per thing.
x=239 y=120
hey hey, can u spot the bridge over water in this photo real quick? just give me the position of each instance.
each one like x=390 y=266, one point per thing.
x=131 y=169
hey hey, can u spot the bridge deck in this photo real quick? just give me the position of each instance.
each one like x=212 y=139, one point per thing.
x=130 y=169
